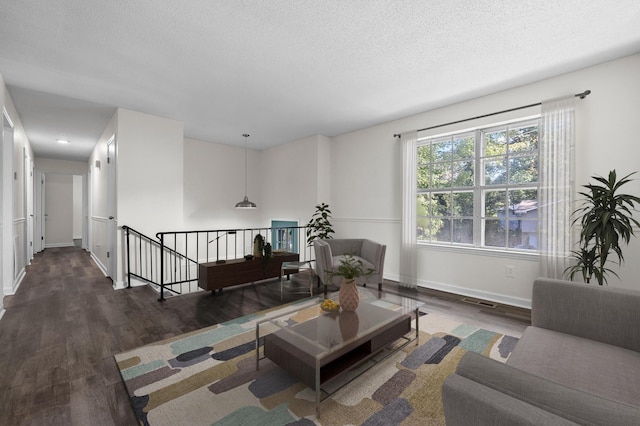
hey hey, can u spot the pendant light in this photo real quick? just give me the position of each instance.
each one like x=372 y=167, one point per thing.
x=245 y=204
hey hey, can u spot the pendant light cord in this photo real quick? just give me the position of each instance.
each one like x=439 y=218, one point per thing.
x=246 y=135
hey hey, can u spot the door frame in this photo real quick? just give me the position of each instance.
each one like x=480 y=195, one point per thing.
x=112 y=220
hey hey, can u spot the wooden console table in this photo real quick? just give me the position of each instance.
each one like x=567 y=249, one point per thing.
x=213 y=276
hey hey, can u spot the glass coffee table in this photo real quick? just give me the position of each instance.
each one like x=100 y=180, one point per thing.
x=328 y=350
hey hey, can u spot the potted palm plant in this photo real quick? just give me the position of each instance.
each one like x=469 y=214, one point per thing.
x=606 y=221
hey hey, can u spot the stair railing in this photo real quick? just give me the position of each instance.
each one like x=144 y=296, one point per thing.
x=170 y=261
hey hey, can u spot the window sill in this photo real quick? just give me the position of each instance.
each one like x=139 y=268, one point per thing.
x=477 y=251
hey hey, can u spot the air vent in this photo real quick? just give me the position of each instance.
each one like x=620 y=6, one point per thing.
x=480 y=302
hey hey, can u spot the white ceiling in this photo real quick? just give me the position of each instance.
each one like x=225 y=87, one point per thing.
x=282 y=70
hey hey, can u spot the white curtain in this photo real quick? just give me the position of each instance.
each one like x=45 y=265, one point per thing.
x=409 y=245
x=556 y=178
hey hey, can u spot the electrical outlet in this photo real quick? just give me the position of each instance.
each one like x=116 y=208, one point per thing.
x=510 y=271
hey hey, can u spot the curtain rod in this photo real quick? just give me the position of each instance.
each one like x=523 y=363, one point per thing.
x=578 y=95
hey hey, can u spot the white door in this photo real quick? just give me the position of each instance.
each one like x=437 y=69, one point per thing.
x=7 y=274
x=43 y=213
x=111 y=208
x=28 y=183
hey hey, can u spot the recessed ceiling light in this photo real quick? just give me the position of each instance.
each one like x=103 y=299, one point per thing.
x=62 y=141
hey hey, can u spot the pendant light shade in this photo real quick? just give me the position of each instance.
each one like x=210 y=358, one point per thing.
x=245 y=204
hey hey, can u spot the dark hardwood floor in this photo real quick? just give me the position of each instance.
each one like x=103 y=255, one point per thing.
x=61 y=329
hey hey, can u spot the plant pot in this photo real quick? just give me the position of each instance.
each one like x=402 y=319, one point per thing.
x=257 y=249
x=349 y=297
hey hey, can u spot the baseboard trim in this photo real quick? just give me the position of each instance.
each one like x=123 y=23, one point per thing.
x=139 y=283
x=119 y=285
x=485 y=295
x=100 y=265
x=470 y=292
x=10 y=291
x=55 y=245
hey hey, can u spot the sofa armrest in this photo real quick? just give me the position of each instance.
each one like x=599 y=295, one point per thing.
x=374 y=253
x=572 y=404
x=323 y=260
x=469 y=403
x=605 y=314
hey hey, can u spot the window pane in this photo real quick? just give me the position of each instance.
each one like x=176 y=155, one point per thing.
x=523 y=169
x=423 y=205
x=463 y=231
x=495 y=143
x=494 y=203
x=523 y=139
x=526 y=237
x=441 y=205
x=463 y=147
x=523 y=202
x=495 y=171
x=441 y=175
x=463 y=204
x=494 y=233
x=463 y=173
x=424 y=154
x=424 y=176
x=423 y=228
x=441 y=230
x=523 y=212
x=441 y=150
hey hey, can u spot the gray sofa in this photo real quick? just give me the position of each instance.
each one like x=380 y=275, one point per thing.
x=330 y=252
x=578 y=363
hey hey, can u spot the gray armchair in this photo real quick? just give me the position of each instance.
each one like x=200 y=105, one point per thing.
x=330 y=252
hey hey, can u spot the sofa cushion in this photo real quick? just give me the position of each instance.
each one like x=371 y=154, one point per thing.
x=336 y=261
x=467 y=402
x=578 y=406
x=345 y=246
x=606 y=314
x=598 y=368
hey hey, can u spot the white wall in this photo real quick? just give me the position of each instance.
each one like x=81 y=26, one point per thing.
x=149 y=171
x=290 y=181
x=13 y=227
x=98 y=186
x=366 y=193
x=214 y=183
x=148 y=182
x=4 y=217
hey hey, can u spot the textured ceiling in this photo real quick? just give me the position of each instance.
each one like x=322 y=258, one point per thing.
x=282 y=70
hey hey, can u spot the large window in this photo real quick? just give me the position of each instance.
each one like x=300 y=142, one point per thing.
x=480 y=188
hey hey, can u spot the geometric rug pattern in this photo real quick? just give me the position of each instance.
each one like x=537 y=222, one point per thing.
x=208 y=377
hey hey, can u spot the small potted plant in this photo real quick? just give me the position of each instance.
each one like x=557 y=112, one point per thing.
x=319 y=226
x=350 y=268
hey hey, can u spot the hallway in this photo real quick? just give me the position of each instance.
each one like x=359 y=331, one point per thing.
x=62 y=328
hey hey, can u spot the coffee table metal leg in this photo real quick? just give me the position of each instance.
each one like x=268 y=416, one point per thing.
x=317 y=389
x=417 y=325
x=257 y=346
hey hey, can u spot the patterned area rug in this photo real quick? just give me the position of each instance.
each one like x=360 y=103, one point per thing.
x=208 y=377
